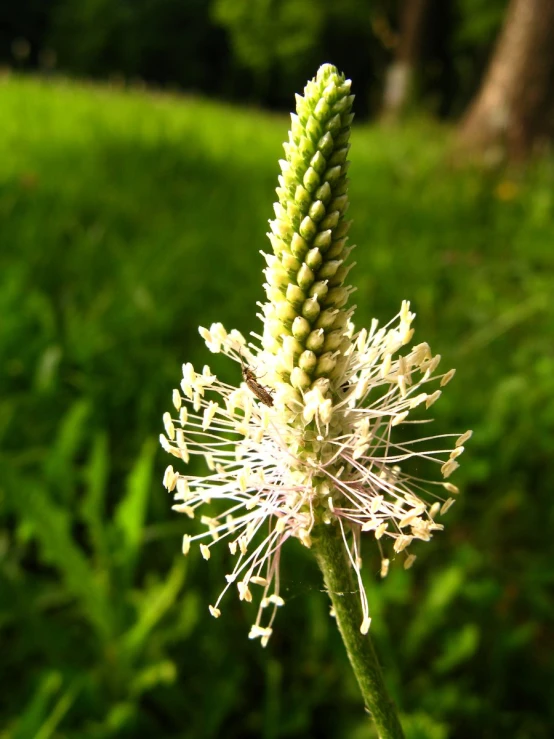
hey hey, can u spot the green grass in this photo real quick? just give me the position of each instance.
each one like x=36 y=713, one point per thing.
x=127 y=219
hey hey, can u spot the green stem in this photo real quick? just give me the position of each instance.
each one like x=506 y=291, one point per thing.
x=332 y=560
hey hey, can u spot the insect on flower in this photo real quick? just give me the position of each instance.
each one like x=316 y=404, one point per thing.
x=254 y=386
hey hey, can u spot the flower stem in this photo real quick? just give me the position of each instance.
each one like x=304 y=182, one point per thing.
x=331 y=557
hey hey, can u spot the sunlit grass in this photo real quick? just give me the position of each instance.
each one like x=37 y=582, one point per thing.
x=127 y=218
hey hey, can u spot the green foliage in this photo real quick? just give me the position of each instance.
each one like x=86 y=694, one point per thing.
x=265 y=33
x=127 y=220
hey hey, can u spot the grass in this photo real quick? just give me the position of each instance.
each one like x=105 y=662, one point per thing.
x=127 y=219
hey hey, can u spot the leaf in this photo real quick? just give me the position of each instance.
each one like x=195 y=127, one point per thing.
x=52 y=528
x=96 y=481
x=155 y=603
x=38 y=719
x=58 y=467
x=131 y=512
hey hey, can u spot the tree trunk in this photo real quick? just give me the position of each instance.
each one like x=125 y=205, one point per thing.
x=400 y=75
x=511 y=111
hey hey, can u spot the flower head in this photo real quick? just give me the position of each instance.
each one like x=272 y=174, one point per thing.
x=308 y=438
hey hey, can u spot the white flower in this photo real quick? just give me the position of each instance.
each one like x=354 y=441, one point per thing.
x=309 y=439
x=316 y=457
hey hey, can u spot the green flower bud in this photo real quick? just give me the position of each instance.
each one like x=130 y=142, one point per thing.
x=322 y=110
x=319 y=290
x=305 y=277
x=314 y=259
x=298 y=246
x=323 y=240
x=336 y=249
x=331 y=220
x=325 y=144
x=302 y=196
x=311 y=179
x=308 y=361
x=337 y=297
x=333 y=340
x=308 y=229
x=291 y=263
x=301 y=328
x=319 y=163
x=315 y=340
x=308 y=236
x=329 y=269
x=300 y=379
x=285 y=312
x=324 y=193
x=311 y=309
x=295 y=295
x=325 y=365
x=317 y=211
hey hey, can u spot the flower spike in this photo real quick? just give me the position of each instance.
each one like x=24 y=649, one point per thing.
x=308 y=439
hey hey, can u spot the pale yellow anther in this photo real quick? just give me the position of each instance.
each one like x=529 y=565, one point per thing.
x=434 y=509
x=410 y=559
x=186 y=544
x=204 y=333
x=170 y=478
x=197 y=401
x=446 y=505
x=168 y=425
x=243 y=478
x=386 y=366
x=176 y=398
x=401 y=380
x=305 y=538
x=366 y=623
x=184 y=508
x=385 y=567
x=432 y=398
x=376 y=504
x=216 y=613
x=257 y=580
x=402 y=541
x=183 y=449
x=166 y=446
x=398 y=419
x=434 y=363
x=359 y=451
x=205 y=551
x=370 y=525
x=448 y=467
x=244 y=592
x=417 y=400
x=408 y=520
x=463 y=438
x=183 y=415
x=281 y=525
x=407 y=335
x=448 y=486
x=421 y=530
x=380 y=530
x=326 y=412
x=183 y=489
x=447 y=377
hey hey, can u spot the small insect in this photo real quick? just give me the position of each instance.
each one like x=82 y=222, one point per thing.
x=254 y=386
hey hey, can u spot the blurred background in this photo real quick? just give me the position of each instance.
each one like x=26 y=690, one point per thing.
x=138 y=160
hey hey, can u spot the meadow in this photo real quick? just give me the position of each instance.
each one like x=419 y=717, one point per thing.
x=128 y=218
